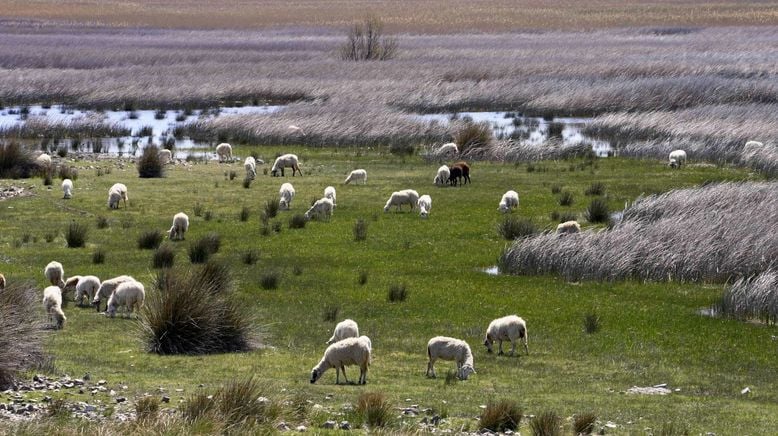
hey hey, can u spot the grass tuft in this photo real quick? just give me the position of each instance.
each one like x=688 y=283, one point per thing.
x=374 y=409
x=16 y=161
x=397 y=293
x=150 y=239
x=598 y=212
x=269 y=280
x=362 y=279
x=473 y=136
x=566 y=199
x=501 y=416
x=513 y=227
x=75 y=234
x=21 y=346
x=149 y=164
x=546 y=424
x=297 y=221
x=366 y=42
x=101 y=222
x=202 y=249
x=331 y=313
x=271 y=209
x=98 y=256
x=596 y=188
x=164 y=257
x=250 y=257
x=245 y=213
x=583 y=423
x=591 y=323
x=147 y=409
x=360 y=230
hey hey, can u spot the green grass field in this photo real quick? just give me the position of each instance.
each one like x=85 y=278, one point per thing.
x=650 y=332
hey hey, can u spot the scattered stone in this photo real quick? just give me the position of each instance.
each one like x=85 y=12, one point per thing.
x=112 y=393
x=301 y=428
x=121 y=399
x=344 y=425
x=99 y=382
x=649 y=390
x=661 y=385
x=80 y=391
x=436 y=420
x=328 y=397
x=179 y=390
x=165 y=399
x=329 y=424
x=610 y=424
x=745 y=391
x=282 y=426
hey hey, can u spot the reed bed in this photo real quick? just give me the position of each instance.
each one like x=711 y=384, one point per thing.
x=87 y=127
x=710 y=234
x=753 y=297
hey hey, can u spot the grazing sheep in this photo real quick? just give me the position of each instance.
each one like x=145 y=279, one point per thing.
x=55 y=274
x=165 y=156
x=568 y=227
x=750 y=144
x=250 y=164
x=287 y=195
x=356 y=176
x=286 y=161
x=43 y=160
x=129 y=294
x=459 y=171
x=677 y=158
x=350 y=351
x=83 y=286
x=345 y=329
x=52 y=304
x=398 y=198
x=369 y=343
x=117 y=193
x=2 y=282
x=107 y=288
x=425 y=205
x=329 y=192
x=67 y=188
x=509 y=201
x=508 y=328
x=448 y=149
x=441 y=178
x=295 y=129
x=445 y=348
x=180 y=226
x=224 y=151
x=321 y=209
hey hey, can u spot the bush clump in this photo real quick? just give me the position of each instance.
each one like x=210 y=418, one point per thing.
x=149 y=164
x=202 y=249
x=21 y=342
x=366 y=42
x=473 y=136
x=187 y=313
x=16 y=161
x=501 y=416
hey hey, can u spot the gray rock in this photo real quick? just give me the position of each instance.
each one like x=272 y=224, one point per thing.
x=328 y=424
x=165 y=399
x=99 y=382
x=121 y=399
x=301 y=428
x=282 y=426
x=344 y=425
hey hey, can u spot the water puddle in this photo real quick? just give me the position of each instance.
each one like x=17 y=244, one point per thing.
x=530 y=130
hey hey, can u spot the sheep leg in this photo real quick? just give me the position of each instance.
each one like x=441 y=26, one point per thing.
x=501 y=352
x=337 y=375
x=526 y=349
x=363 y=374
x=343 y=368
x=431 y=368
x=513 y=347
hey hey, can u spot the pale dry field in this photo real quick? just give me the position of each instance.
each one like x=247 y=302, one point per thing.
x=436 y=16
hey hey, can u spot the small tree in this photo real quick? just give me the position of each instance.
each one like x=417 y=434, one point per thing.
x=366 y=42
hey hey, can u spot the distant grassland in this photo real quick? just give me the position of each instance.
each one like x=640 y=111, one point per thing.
x=409 y=15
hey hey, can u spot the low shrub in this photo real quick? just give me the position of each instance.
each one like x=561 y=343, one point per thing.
x=501 y=416
x=164 y=257
x=149 y=165
x=16 y=161
x=513 y=227
x=473 y=136
x=546 y=424
x=21 y=344
x=374 y=409
x=583 y=423
x=598 y=211
x=75 y=234
x=150 y=239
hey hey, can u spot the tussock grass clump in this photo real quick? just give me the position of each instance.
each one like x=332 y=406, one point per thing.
x=402 y=149
x=207 y=215
x=269 y=280
x=556 y=189
x=164 y=257
x=598 y=211
x=271 y=208
x=397 y=293
x=473 y=137
x=366 y=42
x=501 y=416
x=147 y=408
x=233 y=174
x=244 y=214
x=752 y=298
x=75 y=234
x=16 y=161
x=297 y=221
x=150 y=239
x=591 y=323
x=644 y=244
x=566 y=199
x=596 y=188
x=202 y=249
x=546 y=424
x=216 y=276
x=250 y=257
x=238 y=402
x=101 y=222
x=149 y=165
x=67 y=172
x=360 y=230
x=47 y=175
x=583 y=423
x=555 y=130
x=362 y=279
x=21 y=342
x=197 y=209
x=331 y=313
x=247 y=182
x=98 y=256
x=513 y=227
x=187 y=313
x=58 y=408
x=374 y=409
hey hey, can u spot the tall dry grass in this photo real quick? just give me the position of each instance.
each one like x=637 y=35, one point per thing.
x=710 y=234
x=21 y=341
x=753 y=297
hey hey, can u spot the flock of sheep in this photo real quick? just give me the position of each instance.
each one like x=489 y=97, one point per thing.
x=346 y=347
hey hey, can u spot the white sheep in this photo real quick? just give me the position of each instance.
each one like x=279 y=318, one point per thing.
x=508 y=328
x=321 y=209
x=55 y=274
x=43 y=160
x=250 y=164
x=2 y=282
x=568 y=227
x=117 y=193
x=350 y=351
x=356 y=176
x=425 y=205
x=106 y=289
x=295 y=129
x=83 y=286
x=130 y=294
x=180 y=226
x=677 y=158
x=329 y=192
x=445 y=348
x=750 y=144
x=509 y=201
x=345 y=329
x=52 y=304
x=67 y=189
x=286 y=161
x=441 y=178
x=224 y=152
x=398 y=198
x=447 y=149
x=286 y=193
x=165 y=156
